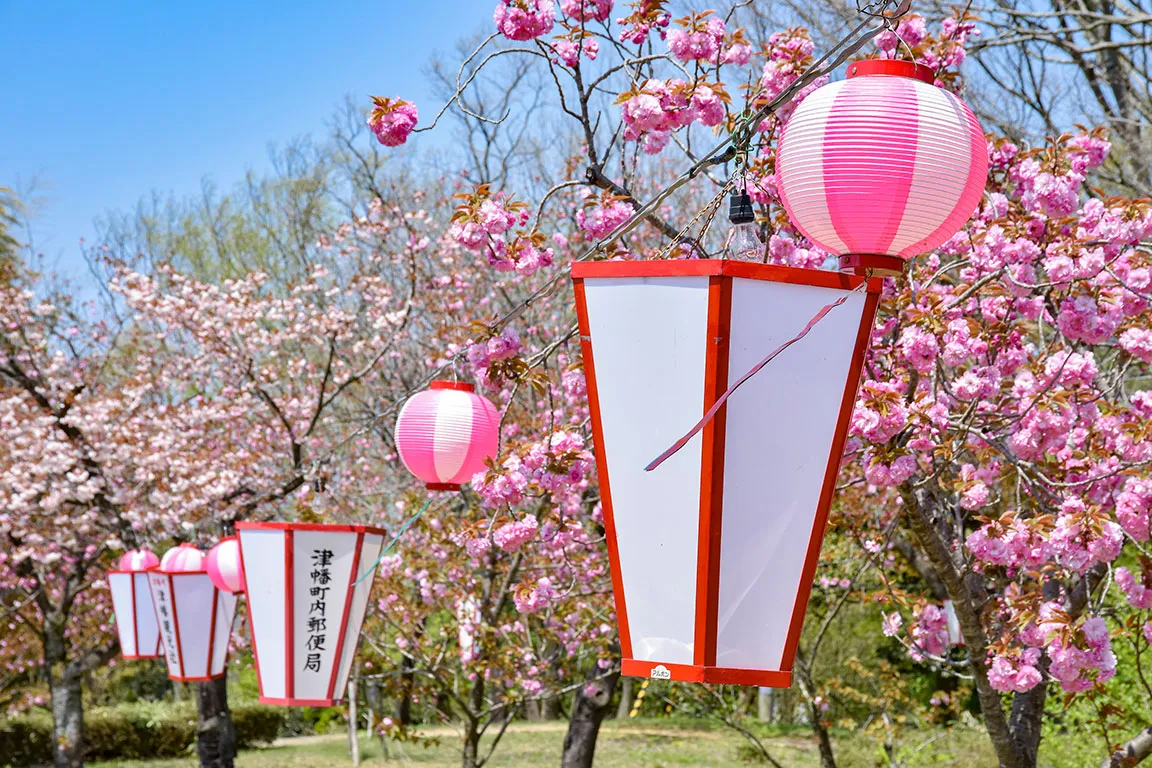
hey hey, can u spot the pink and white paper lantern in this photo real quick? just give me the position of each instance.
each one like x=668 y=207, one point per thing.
x=224 y=566
x=882 y=166
x=194 y=616
x=307 y=591
x=132 y=604
x=182 y=557
x=445 y=433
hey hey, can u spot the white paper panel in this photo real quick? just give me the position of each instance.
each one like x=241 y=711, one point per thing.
x=194 y=595
x=166 y=615
x=147 y=632
x=648 y=347
x=779 y=431
x=225 y=618
x=368 y=555
x=263 y=552
x=321 y=569
x=120 y=585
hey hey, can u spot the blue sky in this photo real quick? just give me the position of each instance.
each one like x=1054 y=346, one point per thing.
x=105 y=102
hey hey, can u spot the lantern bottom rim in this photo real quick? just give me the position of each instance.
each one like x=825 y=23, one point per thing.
x=294 y=702
x=699 y=673
x=873 y=264
x=442 y=486
x=179 y=679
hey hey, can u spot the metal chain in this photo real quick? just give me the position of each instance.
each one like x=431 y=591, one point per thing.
x=710 y=210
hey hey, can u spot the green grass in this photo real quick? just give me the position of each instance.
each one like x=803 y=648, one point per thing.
x=654 y=743
x=642 y=743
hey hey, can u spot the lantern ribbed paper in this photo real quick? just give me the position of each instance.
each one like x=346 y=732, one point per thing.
x=883 y=164
x=183 y=557
x=223 y=565
x=195 y=617
x=713 y=552
x=307 y=599
x=132 y=604
x=445 y=433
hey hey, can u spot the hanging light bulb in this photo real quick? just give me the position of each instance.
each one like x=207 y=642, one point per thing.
x=743 y=243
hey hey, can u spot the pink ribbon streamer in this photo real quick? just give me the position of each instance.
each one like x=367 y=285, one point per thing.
x=755 y=370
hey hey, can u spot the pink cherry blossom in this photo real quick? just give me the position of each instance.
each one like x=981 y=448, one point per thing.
x=524 y=19
x=392 y=120
x=510 y=536
x=586 y=10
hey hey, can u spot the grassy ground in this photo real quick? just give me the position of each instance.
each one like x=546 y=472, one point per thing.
x=635 y=744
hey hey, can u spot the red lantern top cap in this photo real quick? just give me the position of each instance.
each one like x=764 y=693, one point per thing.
x=894 y=67
x=462 y=386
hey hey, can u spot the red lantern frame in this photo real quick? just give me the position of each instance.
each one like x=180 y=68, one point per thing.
x=156 y=576
x=720 y=275
x=135 y=590
x=367 y=550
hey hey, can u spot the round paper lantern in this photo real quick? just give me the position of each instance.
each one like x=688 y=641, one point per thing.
x=138 y=560
x=132 y=605
x=183 y=557
x=224 y=566
x=882 y=166
x=445 y=433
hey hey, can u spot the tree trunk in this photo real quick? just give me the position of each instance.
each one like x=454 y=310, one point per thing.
x=472 y=724
x=827 y=758
x=545 y=708
x=625 y=707
x=764 y=702
x=931 y=532
x=353 y=715
x=804 y=675
x=1026 y=720
x=744 y=700
x=403 y=713
x=588 y=712
x=67 y=717
x=215 y=736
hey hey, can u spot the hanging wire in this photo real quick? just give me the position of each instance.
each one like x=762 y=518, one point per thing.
x=396 y=538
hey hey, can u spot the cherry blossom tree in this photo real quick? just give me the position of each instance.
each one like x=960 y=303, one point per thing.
x=998 y=444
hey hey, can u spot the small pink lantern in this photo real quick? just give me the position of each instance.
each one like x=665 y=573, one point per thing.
x=224 y=566
x=195 y=617
x=132 y=604
x=445 y=433
x=307 y=589
x=882 y=166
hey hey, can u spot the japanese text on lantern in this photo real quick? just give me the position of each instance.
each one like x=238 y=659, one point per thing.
x=320 y=576
x=164 y=615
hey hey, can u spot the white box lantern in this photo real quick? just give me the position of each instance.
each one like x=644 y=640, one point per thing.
x=135 y=617
x=195 y=621
x=306 y=604
x=713 y=552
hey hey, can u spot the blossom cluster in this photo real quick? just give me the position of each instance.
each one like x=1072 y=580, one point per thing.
x=392 y=120
x=490 y=222
x=524 y=19
x=659 y=107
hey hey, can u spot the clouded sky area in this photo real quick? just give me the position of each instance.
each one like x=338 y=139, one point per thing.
x=104 y=102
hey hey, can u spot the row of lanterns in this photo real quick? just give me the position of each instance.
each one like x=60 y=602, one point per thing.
x=305 y=583
x=712 y=556
x=306 y=605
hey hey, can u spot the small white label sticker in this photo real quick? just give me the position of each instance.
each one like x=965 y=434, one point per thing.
x=661 y=672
